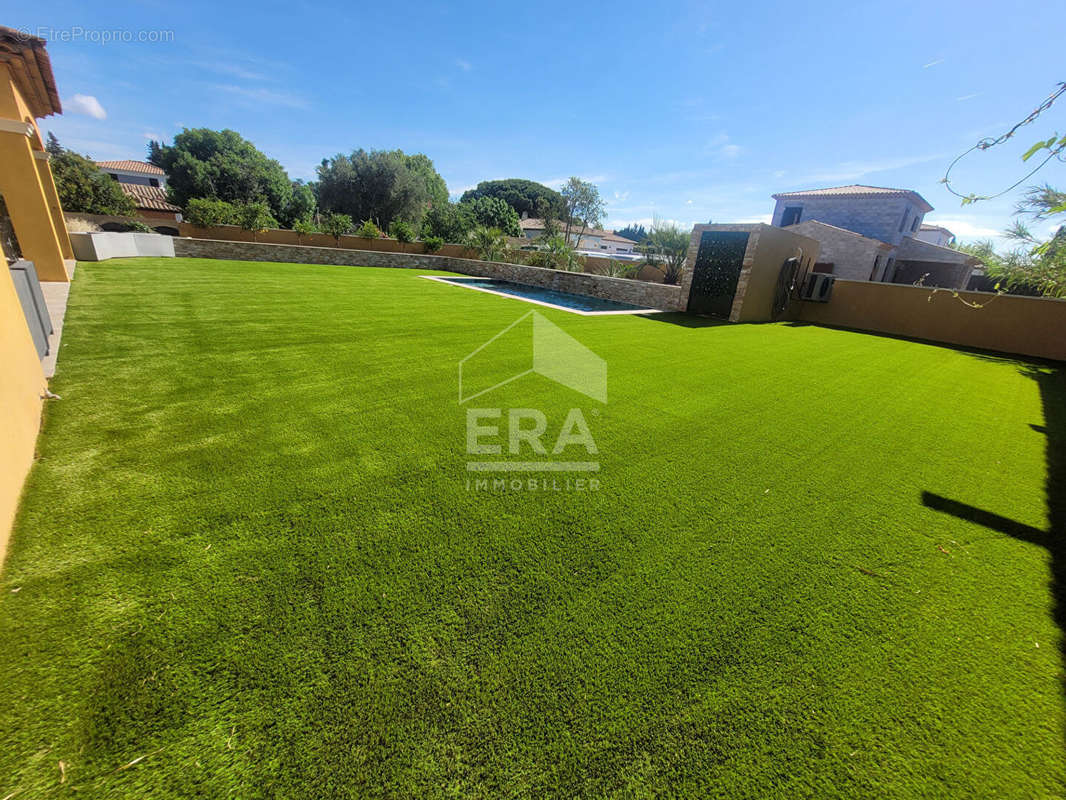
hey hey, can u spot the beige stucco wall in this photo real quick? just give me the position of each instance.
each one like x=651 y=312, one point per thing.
x=1029 y=326
x=768 y=249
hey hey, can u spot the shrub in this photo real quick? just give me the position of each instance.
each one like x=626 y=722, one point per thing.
x=449 y=221
x=136 y=226
x=368 y=230
x=304 y=227
x=402 y=232
x=490 y=243
x=336 y=225
x=255 y=217
x=203 y=212
x=432 y=243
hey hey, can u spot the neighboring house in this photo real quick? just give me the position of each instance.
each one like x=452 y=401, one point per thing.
x=592 y=240
x=935 y=234
x=146 y=184
x=869 y=233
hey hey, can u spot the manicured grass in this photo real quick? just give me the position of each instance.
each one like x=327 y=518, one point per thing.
x=247 y=563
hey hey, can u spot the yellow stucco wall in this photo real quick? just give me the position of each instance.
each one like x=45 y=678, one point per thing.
x=31 y=200
x=22 y=384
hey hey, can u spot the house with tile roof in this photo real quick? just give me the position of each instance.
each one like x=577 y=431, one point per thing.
x=870 y=233
x=146 y=184
x=593 y=240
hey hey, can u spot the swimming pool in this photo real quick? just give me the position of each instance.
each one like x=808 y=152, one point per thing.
x=577 y=303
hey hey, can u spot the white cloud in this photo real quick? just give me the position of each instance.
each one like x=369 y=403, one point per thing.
x=853 y=170
x=763 y=218
x=152 y=136
x=88 y=105
x=964 y=228
x=721 y=146
x=264 y=97
x=557 y=183
x=621 y=196
x=779 y=173
x=966 y=97
x=933 y=63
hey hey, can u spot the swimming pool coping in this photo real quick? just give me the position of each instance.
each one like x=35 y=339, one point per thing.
x=450 y=281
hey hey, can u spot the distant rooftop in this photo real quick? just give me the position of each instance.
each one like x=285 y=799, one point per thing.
x=149 y=197
x=535 y=224
x=858 y=191
x=131 y=166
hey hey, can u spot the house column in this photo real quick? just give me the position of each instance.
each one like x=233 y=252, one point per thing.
x=20 y=184
x=44 y=172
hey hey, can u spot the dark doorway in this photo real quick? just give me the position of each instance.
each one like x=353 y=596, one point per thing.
x=717 y=270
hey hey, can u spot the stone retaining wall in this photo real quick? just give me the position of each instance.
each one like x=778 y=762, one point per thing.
x=652 y=295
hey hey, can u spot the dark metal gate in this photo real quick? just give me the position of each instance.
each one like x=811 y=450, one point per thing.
x=717 y=270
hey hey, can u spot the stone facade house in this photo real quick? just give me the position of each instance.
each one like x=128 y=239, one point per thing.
x=868 y=233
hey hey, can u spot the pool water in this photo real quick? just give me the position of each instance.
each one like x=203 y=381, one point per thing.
x=573 y=302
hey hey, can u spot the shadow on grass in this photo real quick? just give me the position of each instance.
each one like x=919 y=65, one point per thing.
x=1052 y=382
x=686 y=320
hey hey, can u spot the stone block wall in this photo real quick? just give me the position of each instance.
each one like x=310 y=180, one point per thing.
x=652 y=295
x=851 y=254
x=875 y=217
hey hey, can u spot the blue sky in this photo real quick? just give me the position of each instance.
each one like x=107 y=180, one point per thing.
x=687 y=111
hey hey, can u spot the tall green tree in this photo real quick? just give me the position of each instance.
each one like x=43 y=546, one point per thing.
x=82 y=187
x=301 y=207
x=583 y=208
x=520 y=194
x=634 y=232
x=221 y=165
x=380 y=185
x=492 y=212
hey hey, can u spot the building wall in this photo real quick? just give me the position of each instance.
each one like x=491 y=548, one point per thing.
x=1028 y=326
x=22 y=384
x=875 y=217
x=652 y=295
x=766 y=252
x=852 y=257
x=938 y=237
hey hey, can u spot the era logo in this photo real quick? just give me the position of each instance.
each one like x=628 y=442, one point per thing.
x=524 y=426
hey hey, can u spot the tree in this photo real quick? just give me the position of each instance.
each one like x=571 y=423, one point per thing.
x=336 y=225
x=368 y=230
x=666 y=247
x=491 y=212
x=205 y=212
x=450 y=222
x=583 y=207
x=221 y=165
x=83 y=188
x=255 y=217
x=304 y=227
x=520 y=194
x=490 y=243
x=380 y=185
x=403 y=233
x=301 y=207
x=633 y=233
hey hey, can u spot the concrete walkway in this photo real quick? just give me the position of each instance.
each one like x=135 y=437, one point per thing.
x=55 y=297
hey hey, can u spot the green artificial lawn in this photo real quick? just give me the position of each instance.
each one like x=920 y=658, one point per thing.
x=247 y=563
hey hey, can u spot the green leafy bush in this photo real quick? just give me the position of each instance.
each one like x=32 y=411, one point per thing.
x=255 y=217
x=402 y=232
x=368 y=230
x=432 y=243
x=490 y=243
x=203 y=212
x=336 y=225
x=304 y=227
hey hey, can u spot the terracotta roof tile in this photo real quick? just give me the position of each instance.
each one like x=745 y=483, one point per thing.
x=855 y=190
x=153 y=198
x=131 y=166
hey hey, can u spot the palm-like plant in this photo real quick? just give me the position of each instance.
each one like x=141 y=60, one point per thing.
x=490 y=243
x=666 y=248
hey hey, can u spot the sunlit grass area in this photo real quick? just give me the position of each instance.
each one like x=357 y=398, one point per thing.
x=248 y=562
